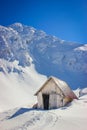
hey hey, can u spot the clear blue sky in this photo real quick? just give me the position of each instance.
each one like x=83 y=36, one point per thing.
x=66 y=19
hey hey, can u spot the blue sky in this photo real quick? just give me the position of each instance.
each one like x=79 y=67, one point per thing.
x=66 y=19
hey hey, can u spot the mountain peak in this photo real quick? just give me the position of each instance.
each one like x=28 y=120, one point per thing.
x=17 y=24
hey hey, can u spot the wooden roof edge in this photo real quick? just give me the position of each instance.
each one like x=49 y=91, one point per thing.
x=43 y=86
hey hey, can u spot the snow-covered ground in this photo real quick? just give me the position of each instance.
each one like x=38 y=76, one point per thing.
x=71 y=117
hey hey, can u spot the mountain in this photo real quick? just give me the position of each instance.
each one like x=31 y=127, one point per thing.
x=50 y=55
x=28 y=56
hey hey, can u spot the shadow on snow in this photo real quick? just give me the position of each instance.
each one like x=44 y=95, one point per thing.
x=22 y=111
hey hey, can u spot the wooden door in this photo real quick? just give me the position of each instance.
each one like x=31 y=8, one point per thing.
x=46 y=101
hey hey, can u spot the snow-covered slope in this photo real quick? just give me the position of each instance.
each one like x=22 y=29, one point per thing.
x=18 y=87
x=71 y=117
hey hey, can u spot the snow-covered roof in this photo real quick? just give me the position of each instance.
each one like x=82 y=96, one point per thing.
x=64 y=87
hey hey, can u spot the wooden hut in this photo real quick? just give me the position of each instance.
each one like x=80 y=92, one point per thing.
x=54 y=93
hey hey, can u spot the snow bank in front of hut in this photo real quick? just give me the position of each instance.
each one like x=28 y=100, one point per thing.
x=71 y=117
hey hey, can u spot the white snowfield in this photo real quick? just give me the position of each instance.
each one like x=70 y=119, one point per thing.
x=71 y=117
x=18 y=89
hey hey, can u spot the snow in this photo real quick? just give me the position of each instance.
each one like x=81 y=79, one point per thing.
x=71 y=117
x=17 y=89
x=82 y=48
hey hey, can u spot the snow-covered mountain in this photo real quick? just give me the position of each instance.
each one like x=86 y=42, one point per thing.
x=50 y=55
x=28 y=55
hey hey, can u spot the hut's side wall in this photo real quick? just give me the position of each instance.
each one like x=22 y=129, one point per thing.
x=40 y=100
x=66 y=100
x=56 y=100
x=52 y=101
x=59 y=100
